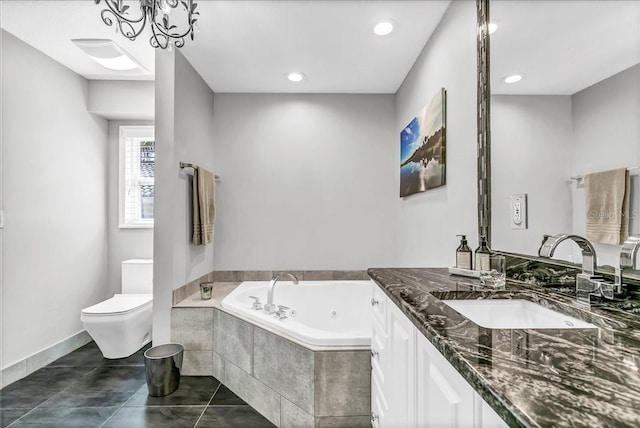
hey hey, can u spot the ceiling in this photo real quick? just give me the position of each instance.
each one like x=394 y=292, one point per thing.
x=562 y=47
x=250 y=46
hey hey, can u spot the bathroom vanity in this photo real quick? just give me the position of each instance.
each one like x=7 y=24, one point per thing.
x=432 y=366
x=412 y=384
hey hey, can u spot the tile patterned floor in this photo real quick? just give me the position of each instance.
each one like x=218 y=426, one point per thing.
x=82 y=389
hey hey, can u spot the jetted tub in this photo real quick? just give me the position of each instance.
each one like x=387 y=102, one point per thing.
x=322 y=313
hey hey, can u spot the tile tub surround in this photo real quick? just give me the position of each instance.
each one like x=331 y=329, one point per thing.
x=559 y=378
x=287 y=382
x=82 y=389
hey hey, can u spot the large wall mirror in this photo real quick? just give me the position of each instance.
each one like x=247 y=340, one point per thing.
x=576 y=110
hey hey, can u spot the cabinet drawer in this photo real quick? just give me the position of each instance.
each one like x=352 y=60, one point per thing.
x=378 y=356
x=379 y=307
x=379 y=406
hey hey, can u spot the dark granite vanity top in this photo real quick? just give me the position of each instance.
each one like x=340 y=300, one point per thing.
x=545 y=378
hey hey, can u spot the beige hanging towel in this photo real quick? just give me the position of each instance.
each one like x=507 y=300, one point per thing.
x=204 y=213
x=607 y=204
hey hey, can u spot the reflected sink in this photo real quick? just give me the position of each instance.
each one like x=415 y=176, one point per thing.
x=516 y=313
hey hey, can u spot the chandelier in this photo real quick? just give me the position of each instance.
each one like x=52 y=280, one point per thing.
x=163 y=33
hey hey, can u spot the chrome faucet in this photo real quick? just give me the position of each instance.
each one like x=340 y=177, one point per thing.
x=628 y=254
x=269 y=307
x=550 y=243
x=587 y=283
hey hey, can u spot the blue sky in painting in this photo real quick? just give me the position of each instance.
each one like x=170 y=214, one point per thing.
x=407 y=138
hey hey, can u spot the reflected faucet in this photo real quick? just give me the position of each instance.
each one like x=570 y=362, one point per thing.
x=628 y=254
x=587 y=283
x=550 y=243
x=269 y=307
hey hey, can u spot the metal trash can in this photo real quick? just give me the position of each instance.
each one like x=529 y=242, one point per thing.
x=162 y=366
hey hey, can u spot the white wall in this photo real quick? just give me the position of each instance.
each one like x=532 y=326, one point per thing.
x=530 y=149
x=605 y=116
x=54 y=176
x=428 y=222
x=127 y=243
x=184 y=130
x=122 y=99
x=606 y=135
x=307 y=181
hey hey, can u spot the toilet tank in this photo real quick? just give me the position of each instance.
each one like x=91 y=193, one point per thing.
x=137 y=276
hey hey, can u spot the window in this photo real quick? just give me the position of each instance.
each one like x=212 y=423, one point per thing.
x=137 y=171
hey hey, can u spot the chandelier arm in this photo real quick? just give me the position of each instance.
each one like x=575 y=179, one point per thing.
x=157 y=41
x=162 y=35
x=162 y=39
x=154 y=40
x=125 y=27
x=166 y=31
x=117 y=13
x=172 y=35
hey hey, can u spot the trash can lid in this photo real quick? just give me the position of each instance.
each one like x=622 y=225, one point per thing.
x=164 y=351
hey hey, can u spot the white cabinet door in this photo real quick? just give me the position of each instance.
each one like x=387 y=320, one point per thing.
x=444 y=398
x=490 y=418
x=379 y=406
x=400 y=372
x=379 y=387
x=379 y=303
x=379 y=358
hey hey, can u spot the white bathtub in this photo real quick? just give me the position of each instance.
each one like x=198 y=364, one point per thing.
x=325 y=313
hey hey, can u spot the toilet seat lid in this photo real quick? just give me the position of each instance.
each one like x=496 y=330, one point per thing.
x=118 y=304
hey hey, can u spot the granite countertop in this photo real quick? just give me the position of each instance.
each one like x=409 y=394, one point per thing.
x=532 y=378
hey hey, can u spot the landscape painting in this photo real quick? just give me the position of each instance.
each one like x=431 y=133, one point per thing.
x=422 y=148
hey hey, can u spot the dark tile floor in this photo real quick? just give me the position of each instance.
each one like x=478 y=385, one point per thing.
x=82 y=389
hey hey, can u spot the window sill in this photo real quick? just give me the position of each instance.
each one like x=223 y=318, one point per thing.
x=135 y=226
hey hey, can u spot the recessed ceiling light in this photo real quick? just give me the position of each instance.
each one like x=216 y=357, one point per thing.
x=295 y=76
x=492 y=27
x=109 y=55
x=383 y=28
x=512 y=78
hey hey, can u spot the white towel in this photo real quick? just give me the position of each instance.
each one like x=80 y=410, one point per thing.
x=204 y=213
x=607 y=204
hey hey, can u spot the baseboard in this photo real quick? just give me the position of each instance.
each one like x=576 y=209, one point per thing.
x=24 y=367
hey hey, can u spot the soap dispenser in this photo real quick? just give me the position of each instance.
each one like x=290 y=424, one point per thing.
x=482 y=255
x=463 y=254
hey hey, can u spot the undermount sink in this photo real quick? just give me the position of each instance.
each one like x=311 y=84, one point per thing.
x=514 y=314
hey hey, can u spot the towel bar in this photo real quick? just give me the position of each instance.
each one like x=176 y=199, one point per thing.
x=184 y=165
x=579 y=178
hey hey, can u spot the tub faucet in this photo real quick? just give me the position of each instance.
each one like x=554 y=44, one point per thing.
x=269 y=307
x=587 y=283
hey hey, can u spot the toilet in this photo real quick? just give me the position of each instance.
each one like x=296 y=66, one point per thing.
x=121 y=325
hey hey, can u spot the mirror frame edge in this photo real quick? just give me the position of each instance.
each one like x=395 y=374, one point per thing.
x=484 y=121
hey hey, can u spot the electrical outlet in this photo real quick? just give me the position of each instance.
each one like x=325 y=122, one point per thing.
x=519 y=211
x=1 y=219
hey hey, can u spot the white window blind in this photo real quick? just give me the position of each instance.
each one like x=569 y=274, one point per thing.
x=137 y=171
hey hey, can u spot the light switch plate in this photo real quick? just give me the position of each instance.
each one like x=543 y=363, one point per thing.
x=1 y=219
x=518 y=217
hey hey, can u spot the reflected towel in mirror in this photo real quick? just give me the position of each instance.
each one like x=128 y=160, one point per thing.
x=607 y=206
